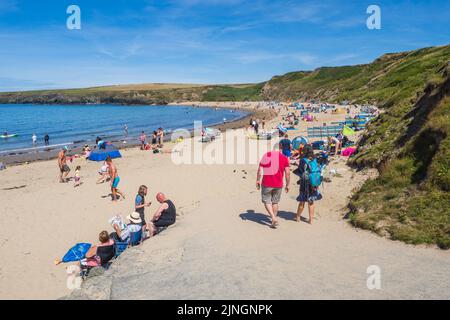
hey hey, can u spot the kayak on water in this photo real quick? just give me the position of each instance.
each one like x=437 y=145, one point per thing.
x=8 y=136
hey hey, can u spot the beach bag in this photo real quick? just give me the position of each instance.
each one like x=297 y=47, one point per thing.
x=315 y=172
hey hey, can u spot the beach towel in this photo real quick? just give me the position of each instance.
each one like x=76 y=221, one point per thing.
x=77 y=252
x=281 y=128
x=347 y=131
x=348 y=152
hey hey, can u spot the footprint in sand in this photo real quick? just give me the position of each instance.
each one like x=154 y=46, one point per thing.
x=188 y=208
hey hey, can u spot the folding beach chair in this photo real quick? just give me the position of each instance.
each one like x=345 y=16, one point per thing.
x=135 y=238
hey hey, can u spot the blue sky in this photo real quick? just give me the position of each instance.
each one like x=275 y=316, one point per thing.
x=201 y=41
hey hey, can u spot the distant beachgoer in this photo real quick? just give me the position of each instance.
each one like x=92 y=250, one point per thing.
x=101 y=144
x=286 y=146
x=100 y=254
x=256 y=126
x=87 y=151
x=272 y=168
x=125 y=129
x=46 y=139
x=115 y=179
x=154 y=137
x=134 y=225
x=165 y=216
x=263 y=123
x=140 y=204
x=142 y=138
x=34 y=139
x=77 y=177
x=160 y=136
x=307 y=192
x=62 y=164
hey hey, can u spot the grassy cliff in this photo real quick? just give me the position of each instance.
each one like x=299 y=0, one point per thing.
x=138 y=94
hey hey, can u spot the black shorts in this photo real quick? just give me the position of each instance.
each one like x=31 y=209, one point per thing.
x=65 y=168
x=142 y=216
x=163 y=223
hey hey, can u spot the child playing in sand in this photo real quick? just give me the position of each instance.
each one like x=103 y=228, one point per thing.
x=103 y=172
x=77 y=178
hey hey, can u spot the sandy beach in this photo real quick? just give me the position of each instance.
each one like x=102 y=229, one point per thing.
x=221 y=246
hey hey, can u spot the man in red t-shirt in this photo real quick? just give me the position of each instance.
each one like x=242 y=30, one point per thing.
x=273 y=167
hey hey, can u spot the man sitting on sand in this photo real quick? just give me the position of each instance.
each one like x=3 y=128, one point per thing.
x=62 y=164
x=273 y=166
x=115 y=179
x=165 y=216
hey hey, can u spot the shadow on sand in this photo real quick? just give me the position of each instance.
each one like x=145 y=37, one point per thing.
x=265 y=220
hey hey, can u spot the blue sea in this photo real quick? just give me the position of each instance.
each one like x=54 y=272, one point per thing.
x=78 y=124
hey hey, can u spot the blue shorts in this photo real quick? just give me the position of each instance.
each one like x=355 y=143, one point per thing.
x=115 y=182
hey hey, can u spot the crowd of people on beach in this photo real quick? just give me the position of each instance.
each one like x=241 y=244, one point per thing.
x=131 y=232
x=274 y=167
x=273 y=175
x=156 y=140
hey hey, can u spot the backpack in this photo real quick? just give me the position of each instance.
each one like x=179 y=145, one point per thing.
x=315 y=172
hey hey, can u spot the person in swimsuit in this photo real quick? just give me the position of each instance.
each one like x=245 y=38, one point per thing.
x=142 y=138
x=62 y=164
x=165 y=215
x=115 y=179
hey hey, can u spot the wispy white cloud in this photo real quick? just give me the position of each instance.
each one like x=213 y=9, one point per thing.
x=306 y=59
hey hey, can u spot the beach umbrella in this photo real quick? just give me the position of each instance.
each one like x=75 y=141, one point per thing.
x=76 y=253
x=298 y=141
x=347 y=131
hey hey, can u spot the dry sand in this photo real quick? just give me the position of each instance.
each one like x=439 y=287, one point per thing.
x=221 y=246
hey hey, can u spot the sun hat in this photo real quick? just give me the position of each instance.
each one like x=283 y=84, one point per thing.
x=134 y=217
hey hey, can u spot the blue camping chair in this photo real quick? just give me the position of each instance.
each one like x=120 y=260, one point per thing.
x=121 y=247
x=135 y=238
